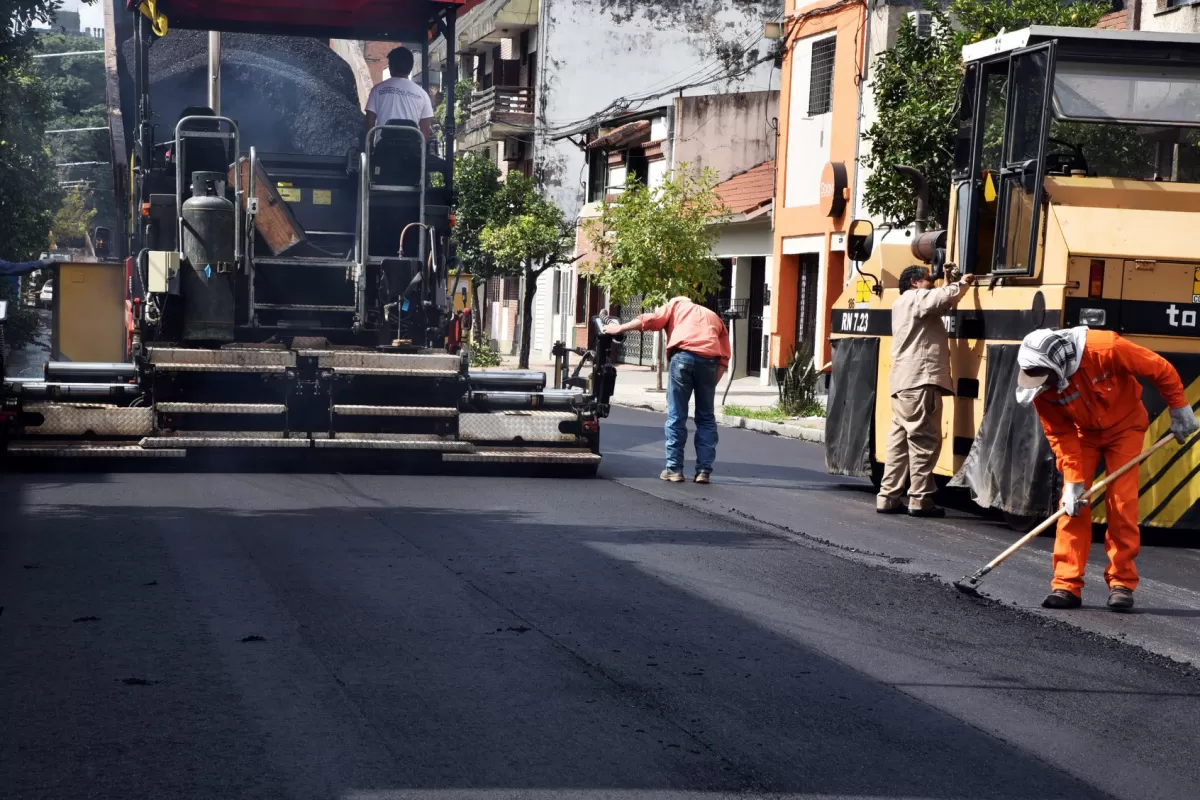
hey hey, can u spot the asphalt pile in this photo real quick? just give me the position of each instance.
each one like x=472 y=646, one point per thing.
x=288 y=94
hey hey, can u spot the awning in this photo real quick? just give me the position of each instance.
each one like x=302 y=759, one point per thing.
x=622 y=136
x=389 y=20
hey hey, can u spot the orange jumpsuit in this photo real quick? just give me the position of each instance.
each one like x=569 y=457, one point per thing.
x=1100 y=415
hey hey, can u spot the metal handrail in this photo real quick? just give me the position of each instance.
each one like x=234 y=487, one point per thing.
x=365 y=208
x=251 y=219
x=235 y=135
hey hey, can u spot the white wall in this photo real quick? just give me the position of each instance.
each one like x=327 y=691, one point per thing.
x=594 y=53
x=884 y=24
x=752 y=238
x=809 y=135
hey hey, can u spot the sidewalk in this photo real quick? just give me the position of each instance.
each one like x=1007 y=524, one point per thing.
x=635 y=389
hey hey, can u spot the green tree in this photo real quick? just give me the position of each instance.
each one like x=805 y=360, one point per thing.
x=73 y=222
x=657 y=243
x=76 y=86
x=526 y=236
x=916 y=87
x=28 y=185
x=476 y=188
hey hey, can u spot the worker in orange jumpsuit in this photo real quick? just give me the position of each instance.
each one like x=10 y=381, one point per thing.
x=1084 y=385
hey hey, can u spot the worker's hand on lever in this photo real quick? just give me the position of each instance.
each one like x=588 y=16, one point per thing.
x=1072 y=499
x=613 y=329
x=1183 y=423
x=968 y=279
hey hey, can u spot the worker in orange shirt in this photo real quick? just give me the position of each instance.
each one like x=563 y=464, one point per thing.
x=1084 y=385
x=698 y=349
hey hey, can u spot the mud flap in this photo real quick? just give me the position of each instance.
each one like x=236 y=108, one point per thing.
x=1010 y=465
x=850 y=415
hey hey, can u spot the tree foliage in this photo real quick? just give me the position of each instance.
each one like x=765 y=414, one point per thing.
x=526 y=230
x=76 y=87
x=476 y=189
x=28 y=184
x=526 y=236
x=916 y=87
x=657 y=243
x=73 y=222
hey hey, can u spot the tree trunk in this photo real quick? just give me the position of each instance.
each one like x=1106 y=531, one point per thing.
x=531 y=278
x=476 y=311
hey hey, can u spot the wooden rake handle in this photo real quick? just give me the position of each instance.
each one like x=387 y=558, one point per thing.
x=1096 y=489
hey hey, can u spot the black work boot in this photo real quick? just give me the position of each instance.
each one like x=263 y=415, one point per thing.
x=1062 y=599
x=1120 y=598
x=930 y=511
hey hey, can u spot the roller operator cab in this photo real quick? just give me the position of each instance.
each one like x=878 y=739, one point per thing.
x=1074 y=200
x=282 y=300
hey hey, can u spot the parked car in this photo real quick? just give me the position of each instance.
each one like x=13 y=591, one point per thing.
x=46 y=298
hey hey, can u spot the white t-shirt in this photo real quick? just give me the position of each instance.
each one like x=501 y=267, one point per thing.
x=399 y=98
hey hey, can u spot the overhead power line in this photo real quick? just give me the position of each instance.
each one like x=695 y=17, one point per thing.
x=72 y=53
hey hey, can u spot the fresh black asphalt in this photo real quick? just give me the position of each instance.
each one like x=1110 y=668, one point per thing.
x=226 y=635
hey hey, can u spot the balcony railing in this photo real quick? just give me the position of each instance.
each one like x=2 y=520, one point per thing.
x=512 y=104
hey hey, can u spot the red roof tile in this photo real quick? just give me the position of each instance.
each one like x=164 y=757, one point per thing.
x=750 y=190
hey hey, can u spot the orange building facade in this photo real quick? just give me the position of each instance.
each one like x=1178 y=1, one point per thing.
x=815 y=174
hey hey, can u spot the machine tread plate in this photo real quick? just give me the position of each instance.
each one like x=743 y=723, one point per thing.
x=220 y=408
x=513 y=426
x=394 y=411
x=81 y=419
x=347 y=360
x=75 y=450
x=524 y=456
x=163 y=357
x=264 y=369
x=399 y=373
x=232 y=439
x=376 y=442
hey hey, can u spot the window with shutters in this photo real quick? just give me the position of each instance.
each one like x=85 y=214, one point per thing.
x=820 y=85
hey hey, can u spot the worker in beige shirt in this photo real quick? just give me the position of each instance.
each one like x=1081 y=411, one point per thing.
x=920 y=376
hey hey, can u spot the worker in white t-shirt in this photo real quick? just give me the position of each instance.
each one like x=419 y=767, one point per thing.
x=399 y=97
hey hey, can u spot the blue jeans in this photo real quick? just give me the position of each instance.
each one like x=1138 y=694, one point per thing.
x=691 y=373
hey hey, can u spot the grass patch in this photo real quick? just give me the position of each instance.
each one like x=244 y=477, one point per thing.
x=772 y=414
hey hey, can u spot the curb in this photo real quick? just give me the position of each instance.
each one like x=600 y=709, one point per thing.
x=785 y=429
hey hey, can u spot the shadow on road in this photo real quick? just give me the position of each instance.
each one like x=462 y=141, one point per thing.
x=398 y=641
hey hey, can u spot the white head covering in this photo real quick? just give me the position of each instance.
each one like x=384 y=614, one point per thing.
x=1059 y=351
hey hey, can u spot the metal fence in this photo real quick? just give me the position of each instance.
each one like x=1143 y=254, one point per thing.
x=638 y=347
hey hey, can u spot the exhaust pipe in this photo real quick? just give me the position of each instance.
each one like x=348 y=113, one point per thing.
x=922 y=190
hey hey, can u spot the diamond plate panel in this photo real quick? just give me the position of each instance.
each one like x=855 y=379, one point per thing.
x=354 y=360
x=255 y=439
x=219 y=408
x=398 y=372
x=511 y=426
x=376 y=443
x=267 y=369
x=234 y=357
x=530 y=456
x=394 y=411
x=82 y=419
x=75 y=450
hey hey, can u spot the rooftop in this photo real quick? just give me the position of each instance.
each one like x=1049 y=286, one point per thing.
x=749 y=191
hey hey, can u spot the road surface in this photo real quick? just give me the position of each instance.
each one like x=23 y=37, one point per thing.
x=211 y=635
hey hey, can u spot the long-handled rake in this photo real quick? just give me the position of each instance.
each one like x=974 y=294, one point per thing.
x=970 y=583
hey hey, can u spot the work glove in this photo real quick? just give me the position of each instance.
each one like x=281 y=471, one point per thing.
x=1072 y=499
x=1183 y=423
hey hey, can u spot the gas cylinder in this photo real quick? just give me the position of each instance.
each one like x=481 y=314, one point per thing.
x=209 y=228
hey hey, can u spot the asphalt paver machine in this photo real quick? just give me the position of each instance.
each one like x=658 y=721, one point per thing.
x=293 y=301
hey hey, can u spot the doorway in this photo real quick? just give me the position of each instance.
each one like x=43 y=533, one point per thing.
x=754 y=341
